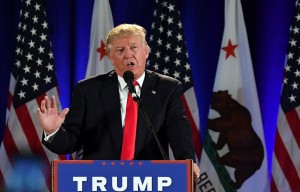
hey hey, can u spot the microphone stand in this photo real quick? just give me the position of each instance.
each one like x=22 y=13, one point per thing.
x=137 y=99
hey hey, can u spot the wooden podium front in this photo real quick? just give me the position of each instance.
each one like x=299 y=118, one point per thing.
x=98 y=175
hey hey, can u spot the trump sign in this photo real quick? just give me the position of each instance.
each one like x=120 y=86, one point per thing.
x=88 y=175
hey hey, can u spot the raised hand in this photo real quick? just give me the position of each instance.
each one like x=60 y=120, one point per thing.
x=49 y=118
x=196 y=171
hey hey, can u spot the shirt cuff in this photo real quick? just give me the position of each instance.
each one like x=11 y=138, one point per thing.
x=47 y=137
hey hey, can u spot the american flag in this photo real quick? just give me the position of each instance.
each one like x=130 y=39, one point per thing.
x=286 y=156
x=32 y=77
x=169 y=56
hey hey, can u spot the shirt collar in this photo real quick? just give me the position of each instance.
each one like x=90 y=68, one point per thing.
x=123 y=84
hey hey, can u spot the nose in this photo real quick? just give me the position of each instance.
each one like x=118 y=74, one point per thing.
x=128 y=53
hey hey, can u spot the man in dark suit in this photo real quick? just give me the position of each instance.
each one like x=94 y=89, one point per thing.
x=95 y=119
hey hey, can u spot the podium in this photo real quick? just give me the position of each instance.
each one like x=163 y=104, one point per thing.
x=102 y=175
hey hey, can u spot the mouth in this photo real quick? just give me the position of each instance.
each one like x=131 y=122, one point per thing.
x=130 y=65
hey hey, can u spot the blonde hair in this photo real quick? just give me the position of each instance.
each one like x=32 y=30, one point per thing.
x=125 y=30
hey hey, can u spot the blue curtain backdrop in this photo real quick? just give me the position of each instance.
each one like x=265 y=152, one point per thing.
x=267 y=23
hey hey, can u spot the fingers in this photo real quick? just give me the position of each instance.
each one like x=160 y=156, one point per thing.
x=196 y=171
x=39 y=111
x=46 y=104
x=43 y=106
x=53 y=105
x=64 y=113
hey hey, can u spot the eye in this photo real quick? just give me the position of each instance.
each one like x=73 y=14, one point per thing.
x=119 y=50
x=134 y=47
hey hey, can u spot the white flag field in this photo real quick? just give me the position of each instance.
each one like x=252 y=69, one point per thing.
x=102 y=23
x=234 y=156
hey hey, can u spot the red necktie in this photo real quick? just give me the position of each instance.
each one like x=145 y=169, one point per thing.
x=130 y=128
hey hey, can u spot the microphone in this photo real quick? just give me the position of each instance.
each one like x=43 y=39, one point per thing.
x=128 y=77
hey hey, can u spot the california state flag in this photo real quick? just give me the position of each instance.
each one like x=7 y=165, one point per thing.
x=234 y=156
x=102 y=23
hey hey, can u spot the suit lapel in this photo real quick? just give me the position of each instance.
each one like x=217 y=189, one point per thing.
x=111 y=100
x=112 y=106
x=148 y=97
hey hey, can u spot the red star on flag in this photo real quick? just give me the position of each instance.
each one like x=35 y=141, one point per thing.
x=101 y=50
x=230 y=49
x=98 y=63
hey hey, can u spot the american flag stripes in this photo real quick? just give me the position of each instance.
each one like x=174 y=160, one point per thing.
x=169 y=56
x=286 y=156
x=32 y=77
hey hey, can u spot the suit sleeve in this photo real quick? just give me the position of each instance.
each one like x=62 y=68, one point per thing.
x=67 y=139
x=178 y=128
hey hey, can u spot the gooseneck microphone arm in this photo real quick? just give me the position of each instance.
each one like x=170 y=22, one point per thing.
x=128 y=77
x=150 y=126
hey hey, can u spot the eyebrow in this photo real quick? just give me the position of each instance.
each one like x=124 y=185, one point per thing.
x=122 y=46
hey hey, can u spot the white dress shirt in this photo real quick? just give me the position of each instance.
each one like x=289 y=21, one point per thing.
x=123 y=92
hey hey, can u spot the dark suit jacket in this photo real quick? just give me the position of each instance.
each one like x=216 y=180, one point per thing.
x=94 y=120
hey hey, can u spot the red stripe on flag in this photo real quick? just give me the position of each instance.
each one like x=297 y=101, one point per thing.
x=294 y=122
x=273 y=186
x=9 y=145
x=33 y=140
x=30 y=132
x=40 y=98
x=62 y=157
x=195 y=131
x=288 y=168
x=48 y=171
x=2 y=181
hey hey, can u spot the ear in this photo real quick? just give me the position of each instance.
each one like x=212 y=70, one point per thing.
x=110 y=56
x=147 y=50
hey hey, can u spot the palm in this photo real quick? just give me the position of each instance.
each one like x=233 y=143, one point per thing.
x=49 y=118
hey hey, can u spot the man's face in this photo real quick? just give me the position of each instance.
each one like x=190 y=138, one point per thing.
x=129 y=54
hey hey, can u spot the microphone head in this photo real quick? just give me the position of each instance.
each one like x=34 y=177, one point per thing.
x=128 y=76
